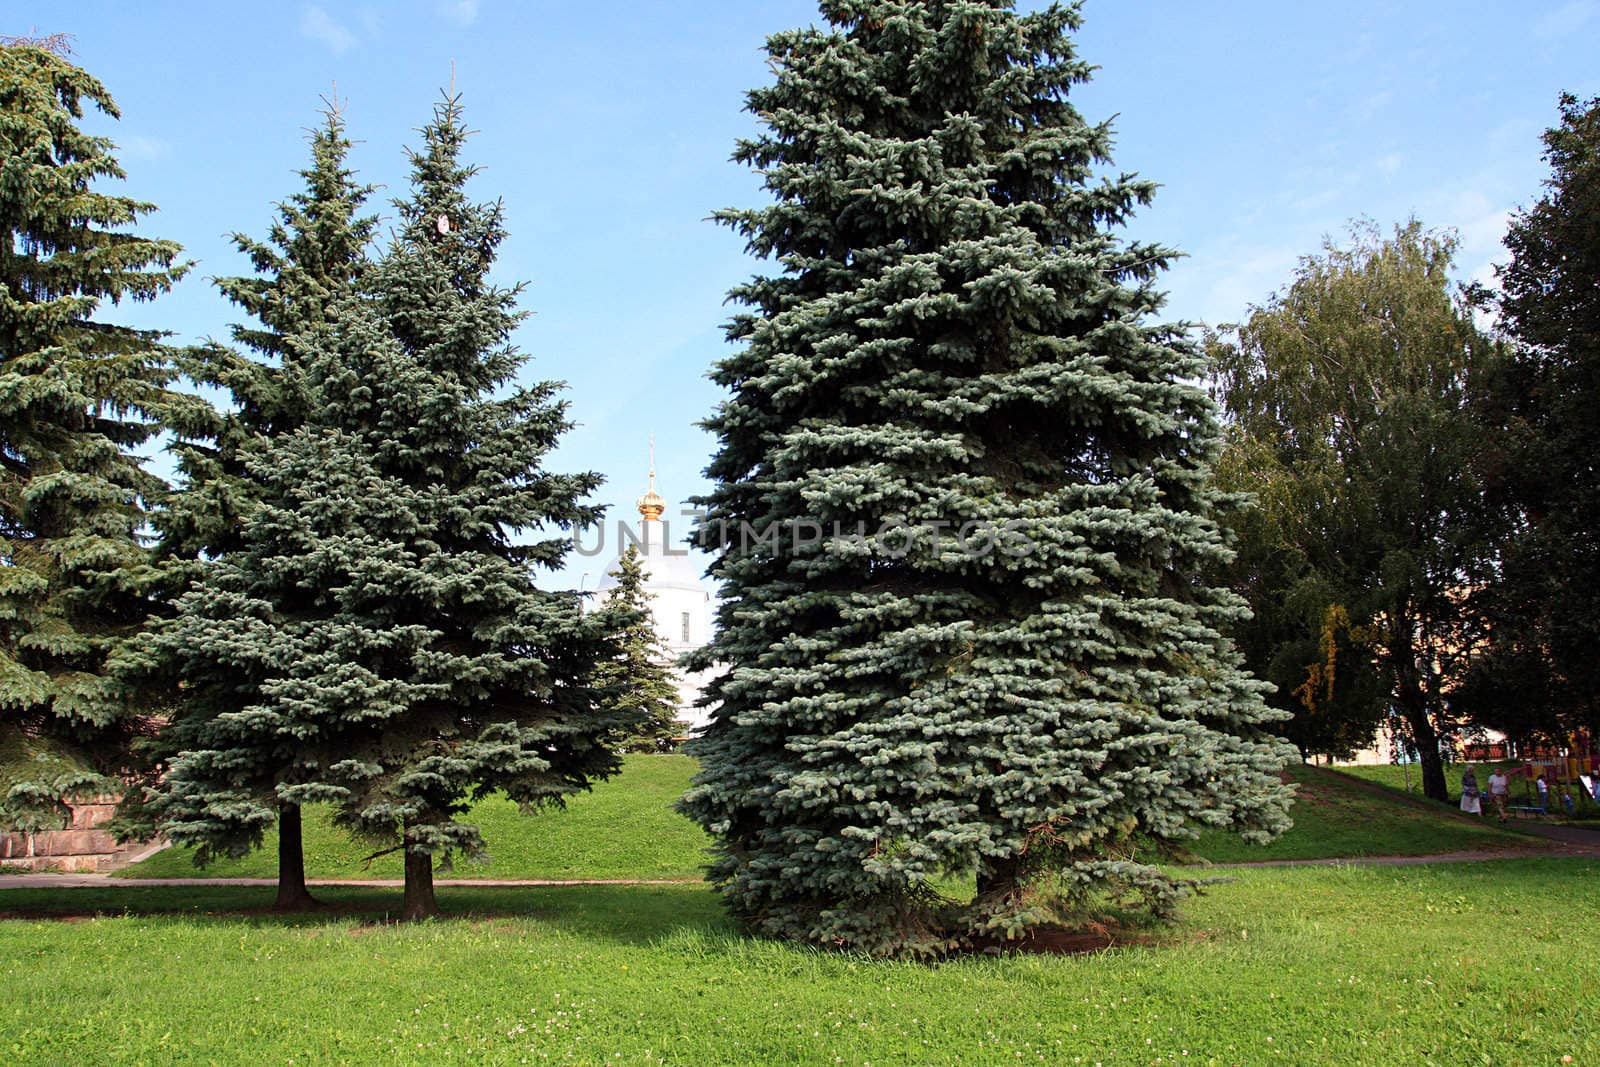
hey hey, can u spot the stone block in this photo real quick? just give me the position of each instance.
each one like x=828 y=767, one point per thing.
x=89 y=816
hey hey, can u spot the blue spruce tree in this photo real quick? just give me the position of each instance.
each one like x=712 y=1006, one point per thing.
x=310 y=260
x=384 y=602
x=962 y=504
x=80 y=394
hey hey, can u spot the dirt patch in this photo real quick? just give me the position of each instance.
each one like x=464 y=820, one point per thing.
x=1056 y=942
x=370 y=927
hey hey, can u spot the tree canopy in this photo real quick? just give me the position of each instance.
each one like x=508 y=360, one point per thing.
x=1348 y=393
x=1542 y=408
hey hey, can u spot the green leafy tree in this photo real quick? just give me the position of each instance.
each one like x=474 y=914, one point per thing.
x=382 y=616
x=1542 y=677
x=1299 y=636
x=639 y=678
x=1349 y=396
x=955 y=337
x=311 y=259
x=79 y=395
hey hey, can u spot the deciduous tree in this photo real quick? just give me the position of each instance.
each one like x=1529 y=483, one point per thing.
x=1348 y=391
x=1542 y=677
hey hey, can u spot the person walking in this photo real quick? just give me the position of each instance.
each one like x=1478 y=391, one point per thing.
x=1470 y=800
x=1498 y=788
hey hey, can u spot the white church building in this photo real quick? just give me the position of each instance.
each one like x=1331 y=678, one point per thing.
x=680 y=599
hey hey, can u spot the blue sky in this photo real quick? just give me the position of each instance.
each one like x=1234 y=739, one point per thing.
x=607 y=130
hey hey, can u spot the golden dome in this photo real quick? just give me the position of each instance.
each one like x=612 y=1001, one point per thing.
x=651 y=506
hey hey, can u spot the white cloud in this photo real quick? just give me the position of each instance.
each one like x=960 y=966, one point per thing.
x=1369 y=106
x=461 y=12
x=321 y=27
x=137 y=146
x=1566 y=19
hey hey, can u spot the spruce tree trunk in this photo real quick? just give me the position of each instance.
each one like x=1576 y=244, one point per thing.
x=292 y=892
x=419 y=902
x=999 y=877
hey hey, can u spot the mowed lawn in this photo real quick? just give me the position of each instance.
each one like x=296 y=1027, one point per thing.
x=1467 y=963
x=626 y=828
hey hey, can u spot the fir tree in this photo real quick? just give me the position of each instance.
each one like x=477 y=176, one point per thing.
x=311 y=257
x=79 y=394
x=310 y=260
x=381 y=604
x=639 y=679
x=955 y=338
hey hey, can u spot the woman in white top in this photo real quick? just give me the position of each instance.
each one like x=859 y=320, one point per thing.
x=1498 y=788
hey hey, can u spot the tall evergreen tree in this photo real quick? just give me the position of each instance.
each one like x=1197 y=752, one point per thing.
x=79 y=394
x=1544 y=405
x=311 y=259
x=639 y=680
x=956 y=338
x=381 y=604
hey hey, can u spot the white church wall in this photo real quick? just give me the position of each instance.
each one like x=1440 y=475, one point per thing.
x=681 y=606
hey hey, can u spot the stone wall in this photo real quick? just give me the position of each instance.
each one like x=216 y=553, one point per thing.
x=82 y=846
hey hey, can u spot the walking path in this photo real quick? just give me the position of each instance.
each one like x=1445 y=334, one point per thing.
x=1580 y=837
x=54 y=880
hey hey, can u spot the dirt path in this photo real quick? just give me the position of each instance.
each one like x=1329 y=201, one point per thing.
x=1478 y=856
x=50 y=880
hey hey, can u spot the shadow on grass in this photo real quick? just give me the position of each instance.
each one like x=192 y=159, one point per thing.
x=630 y=915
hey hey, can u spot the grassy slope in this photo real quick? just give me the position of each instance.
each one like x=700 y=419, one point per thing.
x=1394 y=777
x=626 y=829
x=1334 y=816
x=1468 y=963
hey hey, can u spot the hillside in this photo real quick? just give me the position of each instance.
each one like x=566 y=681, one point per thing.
x=1336 y=815
x=626 y=828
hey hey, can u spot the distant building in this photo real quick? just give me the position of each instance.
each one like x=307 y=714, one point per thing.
x=681 y=600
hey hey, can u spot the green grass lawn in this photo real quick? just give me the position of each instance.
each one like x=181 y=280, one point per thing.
x=1467 y=963
x=624 y=828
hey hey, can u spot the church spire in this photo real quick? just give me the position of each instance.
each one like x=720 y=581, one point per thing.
x=651 y=506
